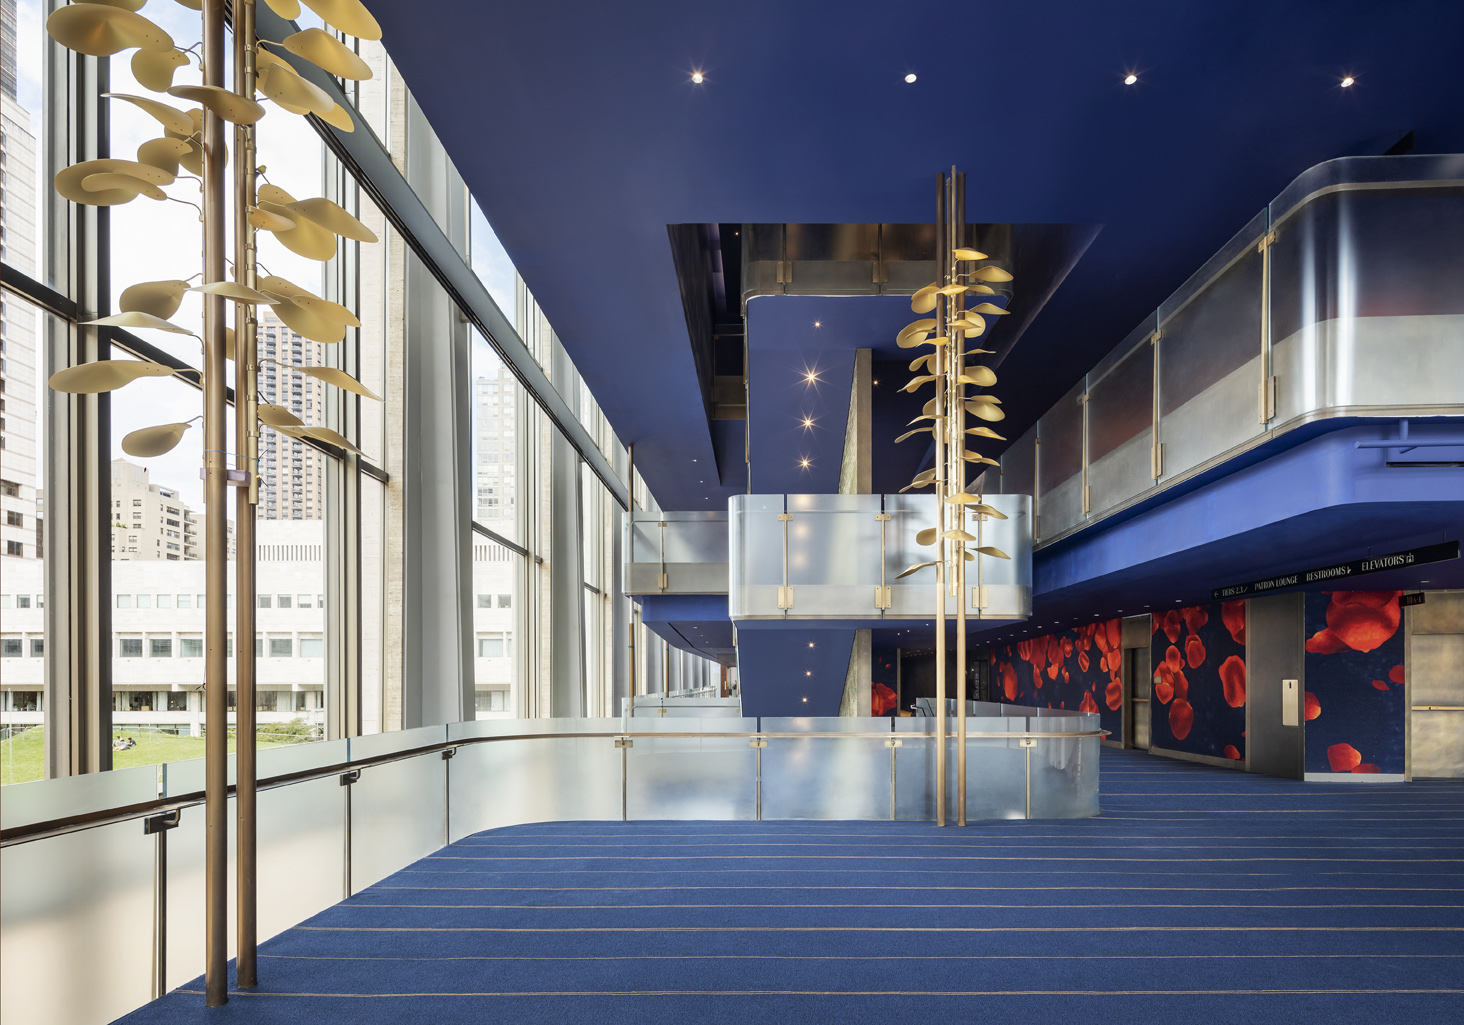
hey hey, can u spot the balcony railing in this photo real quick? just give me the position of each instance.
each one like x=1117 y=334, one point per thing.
x=1340 y=299
x=101 y=875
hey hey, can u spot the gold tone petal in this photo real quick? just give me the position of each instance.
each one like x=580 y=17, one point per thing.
x=100 y=30
x=927 y=324
x=984 y=432
x=929 y=408
x=333 y=216
x=267 y=221
x=154 y=70
x=105 y=375
x=969 y=556
x=148 y=442
x=974 y=331
x=156 y=298
x=912 y=569
x=135 y=318
x=924 y=417
x=305 y=322
x=110 y=180
x=306 y=238
x=973 y=457
x=961 y=498
x=959 y=535
x=967 y=254
x=911 y=340
x=911 y=434
x=916 y=382
x=995 y=553
x=233 y=108
x=982 y=377
x=918 y=361
x=339 y=378
x=304 y=298
x=283 y=84
x=982 y=290
x=164 y=154
x=193 y=159
x=68 y=181
x=126 y=5
x=923 y=301
x=171 y=118
x=234 y=292
x=277 y=416
x=985 y=411
x=347 y=15
x=327 y=52
x=330 y=437
x=988 y=510
x=926 y=537
x=287 y=9
x=274 y=194
x=950 y=290
x=337 y=118
x=990 y=274
x=990 y=309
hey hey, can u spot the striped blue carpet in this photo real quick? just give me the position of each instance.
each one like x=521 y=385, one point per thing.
x=1199 y=895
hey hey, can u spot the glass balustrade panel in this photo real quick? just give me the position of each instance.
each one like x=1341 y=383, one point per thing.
x=1060 y=465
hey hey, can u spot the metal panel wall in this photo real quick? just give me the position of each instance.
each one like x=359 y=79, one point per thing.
x=1275 y=632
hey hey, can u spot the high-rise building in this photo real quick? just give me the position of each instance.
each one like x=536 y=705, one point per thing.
x=150 y=521
x=20 y=522
x=291 y=473
x=496 y=398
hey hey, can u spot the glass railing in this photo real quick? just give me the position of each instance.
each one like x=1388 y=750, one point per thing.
x=101 y=876
x=676 y=553
x=1340 y=299
x=841 y=556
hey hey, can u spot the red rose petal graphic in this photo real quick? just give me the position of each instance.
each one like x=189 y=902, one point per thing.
x=1194 y=651
x=1232 y=753
x=1153 y=623
x=1009 y=681
x=1172 y=625
x=1232 y=614
x=1181 y=718
x=1367 y=767
x=1396 y=674
x=882 y=700
x=1164 y=691
x=1083 y=661
x=1232 y=678
x=1325 y=642
x=1088 y=704
x=1181 y=684
x=1173 y=659
x=1195 y=617
x=1313 y=706
x=1114 y=695
x=1343 y=757
x=1380 y=685
x=1363 y=620
x=1115 y=634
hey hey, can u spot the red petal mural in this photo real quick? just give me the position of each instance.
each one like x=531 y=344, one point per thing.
x=1194 y=652
x=1232 y=678
x=1325 y=642
x=1181 y=718
x=1009 y=681
x=1195 y=617
x=1313 y=706
x=1363 y=620
x=1380 y=685
x=1172 y=625
x=1232 y=614
x=883 y=700
x=1367 y=767
x=1088 y=704
x=1396 y=674
x=1173 y=659
x=1114 y=695
x=1083 y=661
x=1343 y=757
x=1232 y=753
x=1181 y=684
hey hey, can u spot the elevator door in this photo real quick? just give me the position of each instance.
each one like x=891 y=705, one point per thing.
x=1139 y=685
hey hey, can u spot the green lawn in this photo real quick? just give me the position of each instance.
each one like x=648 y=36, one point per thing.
x=21 y=757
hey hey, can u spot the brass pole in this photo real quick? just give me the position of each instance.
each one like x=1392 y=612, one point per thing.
x=942 y=326
x=246 y=437
x=958 y=440
x=216 y=538
x=630 y=561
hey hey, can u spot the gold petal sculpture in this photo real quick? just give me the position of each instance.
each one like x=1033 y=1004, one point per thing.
x=950 y=290
x=171 y=118
x=267 y=221
x=339 y=378
x=928 y=361
x=990 y=274
x=991 y=309
x=347 y=15
x=334 y=217
x=327 y=52
x=975 y=457
x=164 y=154
x=923 y=301
x=148 y=442
x=304 y=322
x=283 y=84
x=135 y=318
x=916 y=382
x=154 y=69
x=926 y=537
x=985 y=411
x=983 y=509
x=981 y=377
x=984 y=432
x=277 y=416
x=911 y=434
x=330 y=437
x=68 y=182
x=234 y=292
x=995 y=553
x=957 y=534
x=100 y=30
x=967 y=254
x=159 y=299
x=126 y=5
x=911 y=569
x=115 y=180
x=105 y=375
x=287 y=9
x=233 y=108
x=303 y=297
x=337 y=117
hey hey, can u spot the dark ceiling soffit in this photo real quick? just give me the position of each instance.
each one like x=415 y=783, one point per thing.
x=690 y=252
x=371 y=166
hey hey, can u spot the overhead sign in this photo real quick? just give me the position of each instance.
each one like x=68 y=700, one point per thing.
x=1441 y=552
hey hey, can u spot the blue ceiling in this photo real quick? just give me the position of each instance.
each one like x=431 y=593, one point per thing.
x=578 y=129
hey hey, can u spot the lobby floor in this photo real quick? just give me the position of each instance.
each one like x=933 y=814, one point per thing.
x=1199 y=895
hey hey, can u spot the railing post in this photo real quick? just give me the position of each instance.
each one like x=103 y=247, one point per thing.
x=158 y=825
x=347 y=778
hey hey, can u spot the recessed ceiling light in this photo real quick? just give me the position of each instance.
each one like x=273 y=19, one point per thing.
x=698 y=77
x=808 y=421
x=810 y=644
x=910 y=78
x=1130 y=78
x=1347 y=82
x=818 y=323
x=803 y=463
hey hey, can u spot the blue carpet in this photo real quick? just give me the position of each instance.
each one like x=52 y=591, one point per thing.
x=1199 y=895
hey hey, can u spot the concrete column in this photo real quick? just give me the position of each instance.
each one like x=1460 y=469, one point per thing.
x=856 y=472
x=858 y=686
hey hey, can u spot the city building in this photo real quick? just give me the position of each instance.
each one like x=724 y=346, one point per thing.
x=803 y=513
